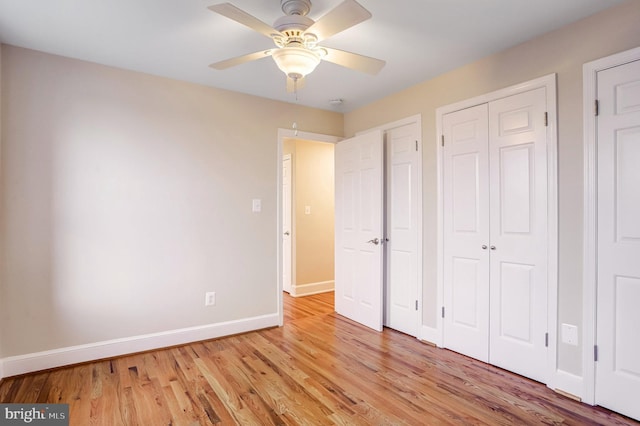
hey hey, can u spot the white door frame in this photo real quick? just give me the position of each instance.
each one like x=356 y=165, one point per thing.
x=282 y=135
x=417 y=120
x=287 y=157
x=589 y=295
x=549 y=83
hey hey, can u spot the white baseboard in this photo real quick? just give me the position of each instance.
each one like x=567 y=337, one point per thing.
x=569 y=383
x=28 y=363
x=312 y=288
x=431 y=335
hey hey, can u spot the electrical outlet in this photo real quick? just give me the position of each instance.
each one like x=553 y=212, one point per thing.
x=570 y=334
x=210 y=298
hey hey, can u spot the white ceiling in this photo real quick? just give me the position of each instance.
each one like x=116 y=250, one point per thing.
x=419 y=39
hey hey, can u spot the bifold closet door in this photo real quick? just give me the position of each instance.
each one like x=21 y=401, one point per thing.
x=518 y=233
x=495 y=232
x=466 y=232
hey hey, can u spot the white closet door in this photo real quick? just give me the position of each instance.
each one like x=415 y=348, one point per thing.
x=618 y=299
x=518 y=227
x=466 y=232
x=359 y=228
x=402 y=261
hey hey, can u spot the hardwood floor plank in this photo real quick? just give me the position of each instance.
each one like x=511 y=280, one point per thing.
x=105 y=408
x=318 y=369
x=180 y=405
x=197 y=389
x=231 y=387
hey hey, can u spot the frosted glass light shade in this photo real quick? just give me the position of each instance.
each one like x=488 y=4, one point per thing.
x=295 y=62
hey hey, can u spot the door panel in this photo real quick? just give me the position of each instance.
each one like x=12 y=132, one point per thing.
x=466 y=197
x=466 y=232
x=627 y=175
x=515 y=302
x=464 y=280
x=518 y=233
x=358 y=221
x=516 y=164
x=402 y=261
x=618 y=236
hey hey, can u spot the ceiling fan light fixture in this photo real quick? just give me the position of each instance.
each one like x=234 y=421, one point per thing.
x=296 y=62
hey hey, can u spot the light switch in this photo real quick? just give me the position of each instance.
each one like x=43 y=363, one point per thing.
x=307 y=209
x=257 y=205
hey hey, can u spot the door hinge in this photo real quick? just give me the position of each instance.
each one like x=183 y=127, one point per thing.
x=597 y=108
x=546 y=119
x=416 y=146
x=416 y=305
x=546 y=340
x=442 y=140
x=443 y=312
x=595 y=352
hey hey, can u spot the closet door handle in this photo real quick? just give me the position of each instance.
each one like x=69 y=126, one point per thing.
x=493 y=247
x=484 y=247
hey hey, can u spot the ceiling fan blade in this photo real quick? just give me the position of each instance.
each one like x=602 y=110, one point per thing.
x=354 y=61
x=242 y=17
x=345 y=15
x=294 y=85
x=228 y=63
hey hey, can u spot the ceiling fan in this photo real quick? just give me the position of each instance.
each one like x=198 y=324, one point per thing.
x=296 y=38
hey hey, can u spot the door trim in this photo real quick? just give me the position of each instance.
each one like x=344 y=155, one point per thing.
x=282 y=135
x=549 y=83
x=292 y=261
x=589 y=296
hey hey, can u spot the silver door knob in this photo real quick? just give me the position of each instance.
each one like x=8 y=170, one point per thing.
x=493 y=247
x=287 y=233
x=484 y=247
x=375 y=241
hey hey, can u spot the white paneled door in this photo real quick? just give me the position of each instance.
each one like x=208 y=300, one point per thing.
x=402 y=198
x=286 y=223
x=496 y=232
x=359 y=229
x=618 y=236
x=466 y=232
x=518 y=233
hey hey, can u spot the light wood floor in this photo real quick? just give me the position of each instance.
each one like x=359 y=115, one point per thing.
x=318 y=369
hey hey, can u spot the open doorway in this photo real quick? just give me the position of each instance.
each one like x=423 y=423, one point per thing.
x=308 y=216
x=308 y=281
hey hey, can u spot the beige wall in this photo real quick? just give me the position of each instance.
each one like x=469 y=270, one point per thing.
x=562 y=52
x=126 y=196
x=313 y=185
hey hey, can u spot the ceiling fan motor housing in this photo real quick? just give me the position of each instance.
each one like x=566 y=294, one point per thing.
x=292 y=23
